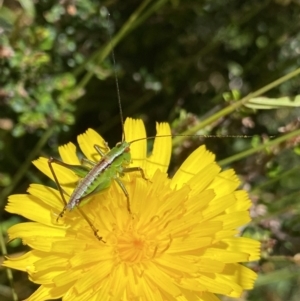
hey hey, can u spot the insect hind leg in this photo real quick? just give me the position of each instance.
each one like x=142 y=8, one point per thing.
x=52 y=160
x=85 y=161
x=90 y=224
x=95 y=230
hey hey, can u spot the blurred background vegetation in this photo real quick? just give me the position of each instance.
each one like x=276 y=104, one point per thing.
x=192 y=63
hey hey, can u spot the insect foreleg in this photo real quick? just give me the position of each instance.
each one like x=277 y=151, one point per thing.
x=98 y=148
x=120 y=183
x=133 y=169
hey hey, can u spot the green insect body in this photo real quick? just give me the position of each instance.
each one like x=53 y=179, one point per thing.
x=97 y=176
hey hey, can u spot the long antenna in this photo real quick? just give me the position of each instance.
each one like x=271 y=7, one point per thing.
x=201 y=136
x=116 y=80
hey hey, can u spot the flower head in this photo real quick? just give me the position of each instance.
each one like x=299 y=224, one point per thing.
x=178 y=243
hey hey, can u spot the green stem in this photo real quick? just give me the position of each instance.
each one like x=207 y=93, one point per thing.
x=271 y=181
x=102 y=51
x=234 y=106
x=134 y=21
x=258 y=148
x=8 y=271
x=286 y=205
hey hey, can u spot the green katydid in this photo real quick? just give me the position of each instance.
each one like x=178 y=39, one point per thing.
x=98 y=176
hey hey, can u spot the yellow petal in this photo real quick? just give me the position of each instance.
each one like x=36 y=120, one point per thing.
x=203 y=178
x=49 y=196
x=87 y=141
x=218 y=206
x=189 y=244
x=135 y=129
x=30 y=207
x=214 y=285
x=67 y=277
x=240 y=274
x=96 y=275
x=225 y=183
x=176 y=263
x=91 y=256
x=44 y=293
x=233 y=220
x=24 y=262
x=162 y=280
x=226 y=256
x=30 y=230
x=162 y=150
x=197 y=161
x=66 y=176
x=46 y=277
x=101 y=293
x=207 y=265
x=242 y=202
x=119 y=282
x=67 y=153
x=42 y=164
x=242 y=244
x=52 y=261
x=205 y=296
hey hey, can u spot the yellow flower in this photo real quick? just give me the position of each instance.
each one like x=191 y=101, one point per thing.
x=180 y=242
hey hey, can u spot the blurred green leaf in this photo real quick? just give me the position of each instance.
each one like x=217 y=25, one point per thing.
x=64 y=81
x=28 y=7
x=265 y=103
x=277 y=276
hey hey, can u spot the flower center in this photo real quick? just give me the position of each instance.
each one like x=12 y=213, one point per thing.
x=133 y=247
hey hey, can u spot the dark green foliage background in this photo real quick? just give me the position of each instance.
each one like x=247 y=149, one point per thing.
x=173 y=63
